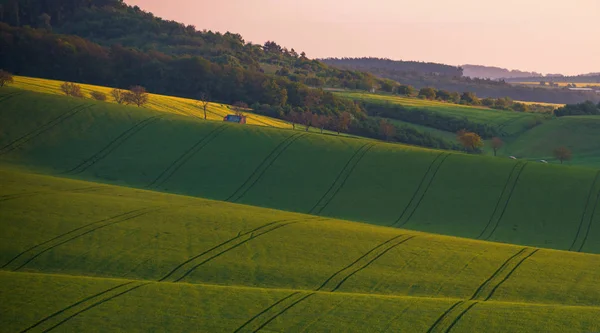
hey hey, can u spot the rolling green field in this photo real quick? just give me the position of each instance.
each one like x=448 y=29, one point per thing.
x=503 y=200
x=579 y=133
x=109 y=258
x=509 y=122
x=118 y=218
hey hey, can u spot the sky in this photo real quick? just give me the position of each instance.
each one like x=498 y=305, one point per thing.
x=546 y=36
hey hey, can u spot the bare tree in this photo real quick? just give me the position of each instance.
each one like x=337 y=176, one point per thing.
x=307 y=119
x=136 y=95
x=203 y=101
x=71 y=89
x=342 y=122
x=239 y=107
x=562 y=154
x=5 y=78
x=387 y=129
x=294 y=118
x=497 y=143
x=118 y=95
x=320 y=121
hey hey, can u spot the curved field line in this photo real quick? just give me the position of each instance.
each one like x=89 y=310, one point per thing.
x=371 y=261
x=435 y=170
x=94 y=305
x=510 y=273
x=496 y=273
x=444 y=315
x=67 y=233
x=347 y=169
x=282 y=311
x=356 y=261
x=500 y=271
x=74 y=305
x=265 y=168
x=590 y=198
x=261 y=165
x=10 y=96
x=499 y=199
x=418 y=189
x=427 y=187
x=265 y=311
x=512 y=190
x=42 y=128
x=112 y=145
x=587 y=232
x=455 y=321
x=252 y=236
x=18 y=196
x=190 y=151
x=174 y=270
x=81 y=235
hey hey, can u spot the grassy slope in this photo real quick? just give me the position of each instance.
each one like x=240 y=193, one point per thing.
x=353 y=179
x=579 y=133
x=399 y=288
x=508 y=121
x=170 y=104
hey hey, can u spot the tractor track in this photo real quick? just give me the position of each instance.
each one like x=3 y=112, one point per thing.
x=263 y=167
x=431 y=173
x=113 y=145
x=589 y=210
x=42 y=129
x=6 y=97
x=60 y=317
x=510 y=194
x=445 y=323
x=187 y=267
x=265 y=311
x=31 y=194
x=335 y=281
x=181 y=160
x=499 y=201
x=487 y=289
x=39 y=249
x=271 y=313
x=341 y=178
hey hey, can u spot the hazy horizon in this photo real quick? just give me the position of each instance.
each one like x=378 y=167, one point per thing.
x=541 y=36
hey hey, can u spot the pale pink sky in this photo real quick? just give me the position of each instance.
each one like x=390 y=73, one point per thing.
x=547 y=36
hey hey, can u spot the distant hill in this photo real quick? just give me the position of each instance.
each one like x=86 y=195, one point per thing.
x=490 y=72
x=395 y=65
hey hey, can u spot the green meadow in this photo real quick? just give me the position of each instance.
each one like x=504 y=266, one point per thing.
x=118 y=218
x=148 y=261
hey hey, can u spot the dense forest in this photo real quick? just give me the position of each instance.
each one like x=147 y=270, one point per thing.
x=582 y=109
x=428 y=68
x=491 y=72
x=107 y=42
x=481 y=87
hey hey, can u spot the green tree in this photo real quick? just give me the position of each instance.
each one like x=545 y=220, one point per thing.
x=427 y=93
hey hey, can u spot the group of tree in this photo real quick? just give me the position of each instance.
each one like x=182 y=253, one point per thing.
x=581 y=109
x=136 y=95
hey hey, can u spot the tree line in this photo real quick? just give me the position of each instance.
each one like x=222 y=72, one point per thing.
x=587 y=108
